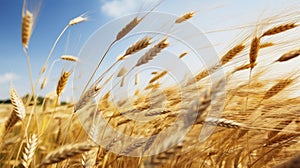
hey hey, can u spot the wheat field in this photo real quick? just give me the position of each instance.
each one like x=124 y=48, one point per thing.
x=241 y=111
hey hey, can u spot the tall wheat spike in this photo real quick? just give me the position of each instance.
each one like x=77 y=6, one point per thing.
x=62 y=82
x=254 y=48
x=27 y=26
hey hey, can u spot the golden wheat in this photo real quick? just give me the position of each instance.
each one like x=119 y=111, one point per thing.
x=65 y=152
x=151 y=53
x=69 y=58
x=289 y=55
x=27 y=26
x=232 y=53
x=254 y=48
x=62 y=82
x=29 y=150
x=185 y=17
x=279 y=29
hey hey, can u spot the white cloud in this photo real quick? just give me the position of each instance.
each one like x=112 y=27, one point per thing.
x=117 y=8
x=7 y=77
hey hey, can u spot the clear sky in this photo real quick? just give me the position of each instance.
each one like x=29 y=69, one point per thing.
x=55 y=14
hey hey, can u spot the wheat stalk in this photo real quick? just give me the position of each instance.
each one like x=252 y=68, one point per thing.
x=185 y=17
x=151 y=53
x=27 y=26
x=66 y=152
x=62 y=82
x=279 y=29
x=29 y=150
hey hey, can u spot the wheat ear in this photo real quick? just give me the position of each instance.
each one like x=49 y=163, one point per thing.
x=131 y=25
x=27 y=26
x=158 y=76
x=152 y=52
x=277 y=88
x=86 y=98
x=232 y=53
x=77 y=20
x=279 y=29
x=182 y=55
x=62 y=82
x=136 y=47
x=223 y=123
x=185 y=17
x=69 y=58
x=29 y=150
x=254 y=48
x=18 y=112
x=243 y=67
x=66 y=152
x=289 y=55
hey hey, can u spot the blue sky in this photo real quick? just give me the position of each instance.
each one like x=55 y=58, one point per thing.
x=55 y=14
